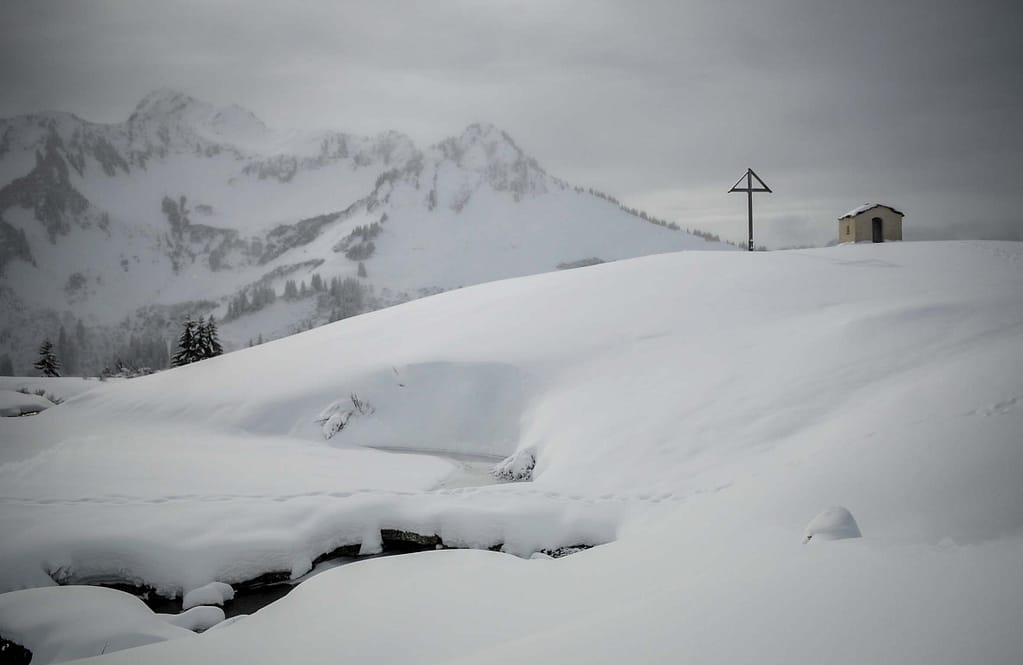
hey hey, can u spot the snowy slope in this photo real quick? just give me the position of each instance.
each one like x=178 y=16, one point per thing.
x=185 y=205
x=697 y=409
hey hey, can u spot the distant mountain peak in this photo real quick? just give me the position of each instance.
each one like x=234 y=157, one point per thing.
x=238 y=124
x=485 y=131
x=484 y=134
x=166 y=102
x=181 y=115
x=482 y=145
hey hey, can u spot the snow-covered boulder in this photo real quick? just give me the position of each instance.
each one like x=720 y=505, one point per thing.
x=196 y=619
x=214 y=593
x=835 y=523
x=14 y=403
x=68 y=622
x=518 y=466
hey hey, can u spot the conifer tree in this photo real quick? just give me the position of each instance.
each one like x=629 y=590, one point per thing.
x=47 y=363
x=213 y=346
x=200 y=341
x=186 y=345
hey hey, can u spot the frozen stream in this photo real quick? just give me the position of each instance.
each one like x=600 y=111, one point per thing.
x=470 y=471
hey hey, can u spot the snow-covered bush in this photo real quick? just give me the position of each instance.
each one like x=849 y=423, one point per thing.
x=517 y=467
x=40 y=392
x=334 y=418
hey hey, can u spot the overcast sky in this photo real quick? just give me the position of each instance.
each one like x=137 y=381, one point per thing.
x=915 y=103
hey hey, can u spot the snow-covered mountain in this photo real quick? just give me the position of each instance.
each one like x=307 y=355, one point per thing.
x=186 y=208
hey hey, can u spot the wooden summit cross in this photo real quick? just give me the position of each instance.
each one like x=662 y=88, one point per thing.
x=749 y=176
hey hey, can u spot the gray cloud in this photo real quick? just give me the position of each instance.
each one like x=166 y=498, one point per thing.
x=662 y=104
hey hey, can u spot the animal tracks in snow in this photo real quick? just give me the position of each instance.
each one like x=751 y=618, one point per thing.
x=640 y=498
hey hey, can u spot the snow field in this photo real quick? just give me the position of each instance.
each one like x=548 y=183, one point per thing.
x=697 y=409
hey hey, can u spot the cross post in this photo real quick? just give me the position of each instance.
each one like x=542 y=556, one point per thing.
x=749 y=176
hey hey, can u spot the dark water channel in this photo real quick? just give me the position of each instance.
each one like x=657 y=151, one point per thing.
x=254 y=595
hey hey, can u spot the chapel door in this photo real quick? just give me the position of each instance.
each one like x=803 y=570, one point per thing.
x=877 y=229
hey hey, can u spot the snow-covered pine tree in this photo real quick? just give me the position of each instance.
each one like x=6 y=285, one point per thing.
x=47 y=363
x=200 y=341
x=186 y=345
x=214 y=347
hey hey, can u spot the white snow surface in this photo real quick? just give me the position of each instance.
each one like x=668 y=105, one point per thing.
x=198 y=619
x=65 y=623
x=698 y=409
x=214 y=593
x=14 y=403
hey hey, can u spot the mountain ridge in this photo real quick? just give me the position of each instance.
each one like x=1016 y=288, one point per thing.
x=184 y=206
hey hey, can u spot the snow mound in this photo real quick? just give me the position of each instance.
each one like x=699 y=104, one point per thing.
x=13 y=403
x=214 y=593
x=64 y=623
x=834 y=523
x=196 y=619
x=516 y=467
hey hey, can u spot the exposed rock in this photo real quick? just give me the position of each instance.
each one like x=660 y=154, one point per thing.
x=288 y=236
x=559 y=552
x=13 y=245
x=12 y=653
x=392 y=537
x=581 y=263
x=48 y=192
